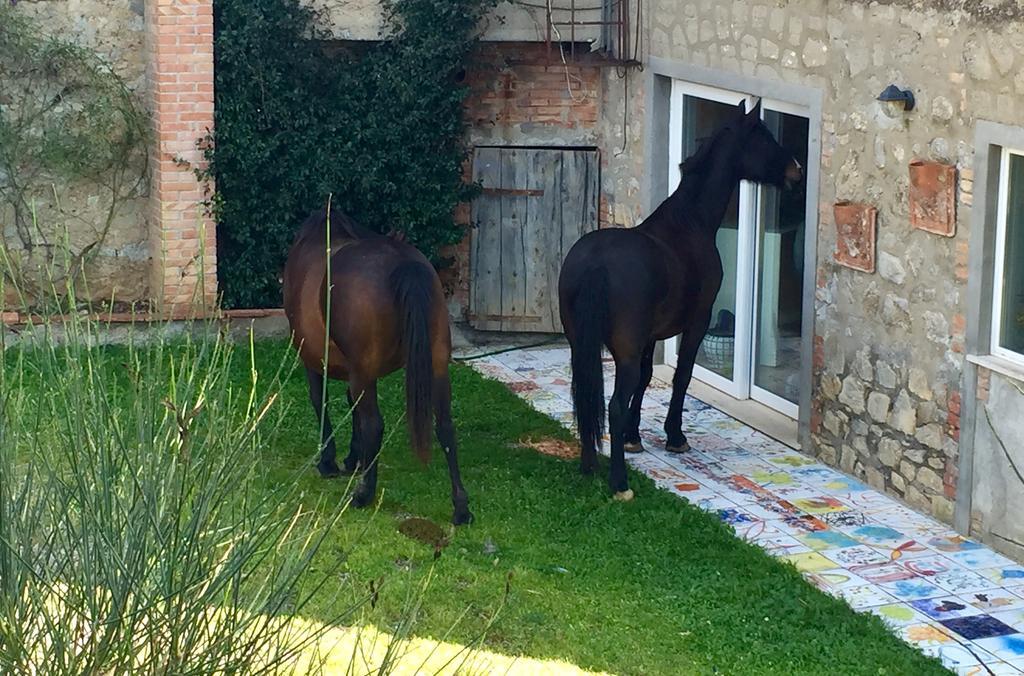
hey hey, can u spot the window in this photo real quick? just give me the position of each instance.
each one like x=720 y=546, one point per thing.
x=1008 y=278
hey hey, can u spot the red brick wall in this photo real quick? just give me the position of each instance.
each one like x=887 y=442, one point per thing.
x=519 y=87
x=517 y=83
x=179 y=36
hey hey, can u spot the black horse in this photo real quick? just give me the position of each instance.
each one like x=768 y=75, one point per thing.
x=628 y=288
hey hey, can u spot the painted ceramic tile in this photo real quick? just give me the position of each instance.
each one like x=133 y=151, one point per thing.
x=929 y=566
x=819 y=505
x=782 y=545
x=1014 y=618
x=856 y=555
x=1008 y=647
x=829 y=580
x=810 y=562
x=849 y=519
x=980 y=557
x=953 y=544
x=832 y=539
x=957 y=656
x=878 y=535
x=897 y=615
x=976 y=627
x=995 y=668
x=961 y=580
x=993 y=600
x=909 y=590
x=1004 y=575
x=926 y=635
x=865 y=596
x=885 y=573
x=945 y=607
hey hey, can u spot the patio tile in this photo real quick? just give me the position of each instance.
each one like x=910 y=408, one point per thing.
x=897 y=615
x=994 y=600
x=956 y=656
x=1008 y=647
x=977 y=627
x=830 y=539
x=809 y=562
x=865 y=596
x=1004 y=575
x=936 y=588
x=944 y=607
x=1014 y=618
x=912 y=589
x=927 y=635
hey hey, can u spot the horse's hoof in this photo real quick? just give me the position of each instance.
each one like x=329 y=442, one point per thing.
x=348 y=471
x=633 y=447
x=462 y=518
x=362 y=499
x=587 y=470
x=624 y=496
x=682 y=448
x=329 y=470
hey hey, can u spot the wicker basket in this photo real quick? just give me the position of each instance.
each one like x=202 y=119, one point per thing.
x=718 y=351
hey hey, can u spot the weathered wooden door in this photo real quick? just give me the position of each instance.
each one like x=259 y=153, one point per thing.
x=536 y=203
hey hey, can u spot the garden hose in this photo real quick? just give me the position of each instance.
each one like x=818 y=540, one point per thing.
x=471 y=357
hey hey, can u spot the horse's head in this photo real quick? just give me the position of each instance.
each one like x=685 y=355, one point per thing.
x=761 y=158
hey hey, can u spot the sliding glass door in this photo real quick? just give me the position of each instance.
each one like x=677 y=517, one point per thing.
x=753 y=347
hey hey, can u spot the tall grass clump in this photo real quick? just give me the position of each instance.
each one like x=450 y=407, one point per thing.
x=132 y=537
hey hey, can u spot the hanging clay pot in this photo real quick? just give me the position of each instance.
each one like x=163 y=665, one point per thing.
x=933 y=197
x=855 y=235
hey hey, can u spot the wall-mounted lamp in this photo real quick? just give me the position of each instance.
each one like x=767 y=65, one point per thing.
x=894 y=94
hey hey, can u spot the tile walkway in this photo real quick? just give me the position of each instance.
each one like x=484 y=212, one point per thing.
x=947 y=595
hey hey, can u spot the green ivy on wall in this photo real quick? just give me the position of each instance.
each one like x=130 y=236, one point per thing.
x=382 y=131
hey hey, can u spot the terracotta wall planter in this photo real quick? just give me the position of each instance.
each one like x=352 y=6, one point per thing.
x=933 y=197
x=855 y=235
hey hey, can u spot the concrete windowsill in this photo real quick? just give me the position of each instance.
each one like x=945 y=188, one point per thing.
x=1000 y=365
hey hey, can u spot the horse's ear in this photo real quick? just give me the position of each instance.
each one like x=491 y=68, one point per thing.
x=741 y=108
x=755 y=112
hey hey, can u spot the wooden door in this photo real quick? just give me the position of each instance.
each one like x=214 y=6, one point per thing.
x=536 y=203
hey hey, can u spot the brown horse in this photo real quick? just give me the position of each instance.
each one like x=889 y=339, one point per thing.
x=382 y=308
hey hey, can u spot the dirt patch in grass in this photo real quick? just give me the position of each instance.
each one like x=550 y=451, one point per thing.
x=553 y=447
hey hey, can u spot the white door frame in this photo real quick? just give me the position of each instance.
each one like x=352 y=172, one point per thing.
x=747 y=249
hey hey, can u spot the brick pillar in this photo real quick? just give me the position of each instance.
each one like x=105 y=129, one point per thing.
x=179 y=74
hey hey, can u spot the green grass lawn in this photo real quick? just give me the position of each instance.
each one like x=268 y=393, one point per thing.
x=654 y=586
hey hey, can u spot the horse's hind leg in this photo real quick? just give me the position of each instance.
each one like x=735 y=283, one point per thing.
x=446 y=437
x=627 y=379
x=328 y=466
x=632 y=443
x=371 y=432
x=351 y=463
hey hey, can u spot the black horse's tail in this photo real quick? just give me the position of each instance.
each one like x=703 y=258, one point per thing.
x=413 y=283
x=589 y=312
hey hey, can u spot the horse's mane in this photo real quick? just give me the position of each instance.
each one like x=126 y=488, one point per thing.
x=695 y=162
x=341 y=223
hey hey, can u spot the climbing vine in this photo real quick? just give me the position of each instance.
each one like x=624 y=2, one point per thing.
x=379 y=126
x=66 y=119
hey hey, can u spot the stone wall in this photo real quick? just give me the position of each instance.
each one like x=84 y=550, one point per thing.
x=889 y=345
x=120 y=264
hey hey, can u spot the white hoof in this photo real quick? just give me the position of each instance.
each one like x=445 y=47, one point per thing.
x=624 y=496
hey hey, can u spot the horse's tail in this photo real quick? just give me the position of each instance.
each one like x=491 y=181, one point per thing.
x=589 y=313
x=413 y=283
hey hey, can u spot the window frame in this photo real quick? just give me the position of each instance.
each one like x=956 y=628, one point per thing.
x=999 y=257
